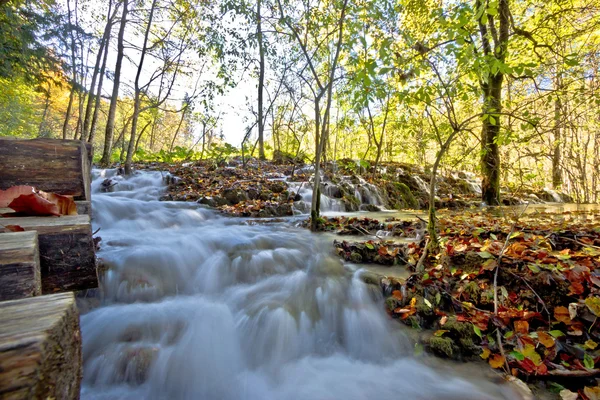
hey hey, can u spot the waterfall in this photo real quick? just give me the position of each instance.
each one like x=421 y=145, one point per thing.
x=199 y=306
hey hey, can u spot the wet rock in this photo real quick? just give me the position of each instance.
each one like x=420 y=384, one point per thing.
x=215 y=201
x=331 y=190
x=135 y=363
x=253 y=193
x=234 y=196
x=277 y=187
x=369 y=207
x=442 y=346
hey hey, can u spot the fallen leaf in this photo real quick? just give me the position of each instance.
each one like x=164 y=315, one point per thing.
x=522 y=327
x=485 y=354
x=496 y=361
x=592 y=393
x=8 y=195
x=545 y=339
x=562 y=315
x=573 y=310
x=593 y=304
x=566 y=394
x=34 y=204
x=590 y=344
x=14 y=228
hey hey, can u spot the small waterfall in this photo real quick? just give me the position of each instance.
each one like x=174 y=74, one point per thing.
x=423 y=186
x=198 y=306
x=556 y=197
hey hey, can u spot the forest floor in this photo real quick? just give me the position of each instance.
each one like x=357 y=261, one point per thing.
x=518 y=290
x=541 y=327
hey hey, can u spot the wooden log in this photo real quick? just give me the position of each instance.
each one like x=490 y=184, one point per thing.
x=19 y=265
x=40 y=348
x=84 y=207
x=51 y=165
x=67 y=258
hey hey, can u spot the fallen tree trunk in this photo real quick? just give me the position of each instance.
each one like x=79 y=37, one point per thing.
x=66 y=245
x=40 y=348
x=57 y=166
x=19 y=266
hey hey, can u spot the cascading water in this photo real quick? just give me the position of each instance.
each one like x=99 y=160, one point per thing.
x=199 y=306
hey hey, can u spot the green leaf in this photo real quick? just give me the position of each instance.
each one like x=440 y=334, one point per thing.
x=369 y=246
x=588 y=361
x=533 y=268
x=428 y=303
x=485 y=254
x=508 y=334
x=517 y=355
x=477 y=331
x=556 y=333
x=593 y=304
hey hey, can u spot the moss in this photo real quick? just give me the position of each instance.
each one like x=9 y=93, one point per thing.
x=392 y=303
x=442 y=346
x=473 y=289
x=422 y=308
x=356 y=257
x=408 y=199
x=460 y=329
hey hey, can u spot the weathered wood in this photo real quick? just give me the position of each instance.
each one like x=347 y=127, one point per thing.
x=67 y=258
x=19 y=265
x=40 y=348
x=84 y=207
x=51 y=165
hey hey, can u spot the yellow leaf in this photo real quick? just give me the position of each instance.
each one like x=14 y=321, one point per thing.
x=485 y=353
x=545 y=339
x=496 y=361
x=529 y=352
x=413 y=301
x=590 y=344
x=593 y=303
x=522 y=327
x=592 y=393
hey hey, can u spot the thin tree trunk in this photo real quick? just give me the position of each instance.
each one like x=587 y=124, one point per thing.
x=557 y=179
x=91 y=98
x=98 y=98
x=261 y=83
x=73 y=78
x=110 y=123
x=178 y=128
x=136 y=101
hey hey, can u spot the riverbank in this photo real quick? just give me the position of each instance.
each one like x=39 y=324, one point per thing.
x=269 y=189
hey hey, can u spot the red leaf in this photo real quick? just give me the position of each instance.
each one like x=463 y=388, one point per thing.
x=8 y=195
x=34 y=204
x=14 y=228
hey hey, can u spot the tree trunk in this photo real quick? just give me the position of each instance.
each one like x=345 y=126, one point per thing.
x=490 y=157
x=136 y=101
x=557 y=179
x=261 y=83
x=178 y=128
x=103 y=44
x=110 y=123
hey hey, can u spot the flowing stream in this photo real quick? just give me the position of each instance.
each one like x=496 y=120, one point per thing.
x=200 y=306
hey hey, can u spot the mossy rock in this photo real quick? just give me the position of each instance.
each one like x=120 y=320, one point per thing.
x=406 y=194
x=442 y=346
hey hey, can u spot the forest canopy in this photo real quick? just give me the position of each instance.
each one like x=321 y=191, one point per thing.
x=504 y=89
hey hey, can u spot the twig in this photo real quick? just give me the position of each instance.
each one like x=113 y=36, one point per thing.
x=423 y=256
x=579 y=243
x=97 y=230
x=536 y=295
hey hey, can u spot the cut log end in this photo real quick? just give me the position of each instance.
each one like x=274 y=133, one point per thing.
x=40 y=348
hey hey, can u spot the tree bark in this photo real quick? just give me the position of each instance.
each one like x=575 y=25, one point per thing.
x=91 y=98
x=136 y=101
x=261 y=83
x=110 y=123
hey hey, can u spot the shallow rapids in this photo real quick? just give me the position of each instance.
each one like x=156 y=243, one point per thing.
x=199 y=306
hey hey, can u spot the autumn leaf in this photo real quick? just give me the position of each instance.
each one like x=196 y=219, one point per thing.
x=562 y=314
x=545 y=339
x=485 y=354
x=397 y=294
x=593 y=304
x=522 y=327
x=592 y=393
x=8 y=195
x=34 y=204
x=496 y=361
x=14 y=228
